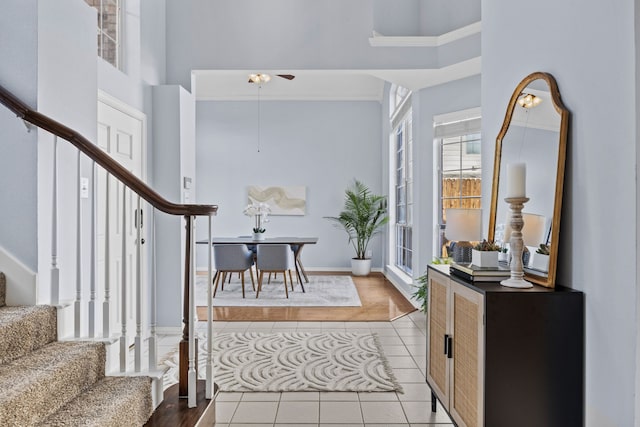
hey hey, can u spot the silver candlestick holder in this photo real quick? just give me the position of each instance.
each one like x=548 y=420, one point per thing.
x=516 y=244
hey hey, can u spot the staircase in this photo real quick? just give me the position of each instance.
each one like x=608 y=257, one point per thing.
x=45 y=382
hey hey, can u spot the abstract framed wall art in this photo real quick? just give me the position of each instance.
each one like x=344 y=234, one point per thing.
x=289 y=200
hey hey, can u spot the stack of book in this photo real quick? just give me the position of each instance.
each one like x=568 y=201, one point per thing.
x=473 y=273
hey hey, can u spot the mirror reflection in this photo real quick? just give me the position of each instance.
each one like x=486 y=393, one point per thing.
x=534 y=133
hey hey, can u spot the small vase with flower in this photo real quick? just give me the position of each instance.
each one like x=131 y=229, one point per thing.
x=259 y=211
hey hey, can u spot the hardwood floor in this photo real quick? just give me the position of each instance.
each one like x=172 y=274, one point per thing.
x=381 y=301
x=174 y=411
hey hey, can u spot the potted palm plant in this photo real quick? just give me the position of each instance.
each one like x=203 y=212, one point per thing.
x=363 y=216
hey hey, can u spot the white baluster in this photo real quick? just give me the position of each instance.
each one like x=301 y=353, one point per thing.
x=138 y=340
x=192 y=374
x=153 y=344
x=106 y=307
x=55 y=272
x=76 y=304
x=123 y=286
x=210 y=386
x=92 y=284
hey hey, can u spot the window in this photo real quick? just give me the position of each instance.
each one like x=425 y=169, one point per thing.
x=402 y=147
x=473 y=147
x=459 y=168
x=109 y=23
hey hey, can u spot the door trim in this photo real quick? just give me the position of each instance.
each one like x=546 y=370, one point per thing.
x=125 y=108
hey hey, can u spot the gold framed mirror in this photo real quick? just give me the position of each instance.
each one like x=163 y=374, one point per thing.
x=534 y=132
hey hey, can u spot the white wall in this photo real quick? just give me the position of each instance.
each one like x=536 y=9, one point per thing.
x=67 y=92
x=52 y=69
x=320 y=145
x=18 y=173
x=594 y=64
x=423 y=17
x=173 y=125
x=153 y=58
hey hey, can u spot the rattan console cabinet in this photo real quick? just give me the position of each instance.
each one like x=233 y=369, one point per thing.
x=499 y=356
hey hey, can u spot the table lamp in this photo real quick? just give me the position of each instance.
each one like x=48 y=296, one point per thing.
x=533 y=231
x=463 y=226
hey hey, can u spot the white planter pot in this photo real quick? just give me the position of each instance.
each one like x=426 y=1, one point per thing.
x=539 y=262
x=258 y=236
x=484 y=258
x=360 y=267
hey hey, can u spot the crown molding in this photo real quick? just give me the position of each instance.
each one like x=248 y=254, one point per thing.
x=379 y=40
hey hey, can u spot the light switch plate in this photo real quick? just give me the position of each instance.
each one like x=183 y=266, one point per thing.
x=84 y=188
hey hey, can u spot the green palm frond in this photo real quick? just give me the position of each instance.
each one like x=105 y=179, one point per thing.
x=363 y=216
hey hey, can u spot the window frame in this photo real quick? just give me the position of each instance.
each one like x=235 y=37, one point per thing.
x=465 y=126
x=104 y=33
x=402 y=128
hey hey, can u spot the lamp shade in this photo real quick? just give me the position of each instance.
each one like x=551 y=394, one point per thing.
x=463 y=225
x=533 y=231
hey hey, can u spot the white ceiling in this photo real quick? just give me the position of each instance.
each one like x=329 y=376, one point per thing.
x=359 y=85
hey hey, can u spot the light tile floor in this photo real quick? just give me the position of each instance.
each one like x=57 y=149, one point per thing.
x=404 y=343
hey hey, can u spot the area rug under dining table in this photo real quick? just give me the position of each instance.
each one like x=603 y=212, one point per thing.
x=296 y=361
x=321 y=291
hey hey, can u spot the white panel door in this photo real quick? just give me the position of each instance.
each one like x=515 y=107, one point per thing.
x=121 y=135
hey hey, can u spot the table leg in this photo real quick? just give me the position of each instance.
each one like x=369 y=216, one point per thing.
x=299 y=278
x=434 y=401
x=299 y=267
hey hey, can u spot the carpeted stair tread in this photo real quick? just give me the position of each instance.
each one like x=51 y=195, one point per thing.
x=37 y=385
x=3 y=289
x=24 y=329
x=113 y=401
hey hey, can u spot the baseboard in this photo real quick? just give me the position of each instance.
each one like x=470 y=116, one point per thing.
x=168 y=330
x=22 y=283
x=401 y=285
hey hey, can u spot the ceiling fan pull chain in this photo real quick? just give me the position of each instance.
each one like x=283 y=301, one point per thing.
x=259 y=116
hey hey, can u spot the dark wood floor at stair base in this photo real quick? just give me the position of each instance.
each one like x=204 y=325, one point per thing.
x=381 y=301
x=174 y=412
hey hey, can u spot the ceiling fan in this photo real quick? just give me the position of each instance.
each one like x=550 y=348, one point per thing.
x=265 y=78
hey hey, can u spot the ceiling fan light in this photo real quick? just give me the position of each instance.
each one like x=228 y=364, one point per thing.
x=528 y=100
x=265 y=78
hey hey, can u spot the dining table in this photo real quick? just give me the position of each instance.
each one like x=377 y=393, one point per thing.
x=297 y=243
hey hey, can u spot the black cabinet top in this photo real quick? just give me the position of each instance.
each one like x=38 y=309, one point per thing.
x=491 y=287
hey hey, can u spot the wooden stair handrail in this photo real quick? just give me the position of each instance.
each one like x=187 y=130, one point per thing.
x=102 y=158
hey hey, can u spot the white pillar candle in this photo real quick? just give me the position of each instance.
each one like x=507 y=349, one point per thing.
x=516 y=179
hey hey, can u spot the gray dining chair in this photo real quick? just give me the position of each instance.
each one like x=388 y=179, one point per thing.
x=275 y=258
x=232 y=259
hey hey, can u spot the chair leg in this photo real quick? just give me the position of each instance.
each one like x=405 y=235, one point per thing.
x=253 y=283
x=286 y=290
x=259 y=283
x=269 y=280
x=290 y=280
x=242 y=276
x=224 y=279
x=217 y=280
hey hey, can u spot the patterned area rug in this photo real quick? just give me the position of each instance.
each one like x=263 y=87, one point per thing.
x=321 y=291
x=299 y=361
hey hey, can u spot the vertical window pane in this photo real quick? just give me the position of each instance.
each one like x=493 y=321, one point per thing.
x=460 y=176
x=108 y=29
x=401 y=137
